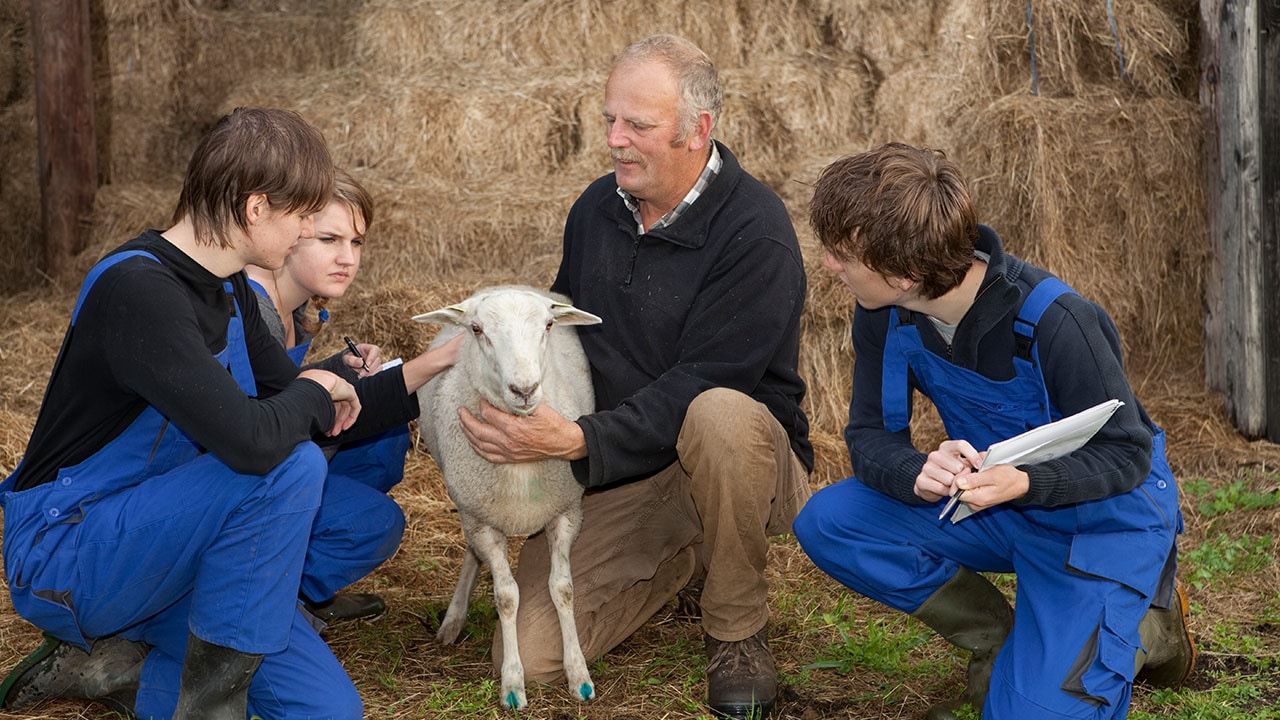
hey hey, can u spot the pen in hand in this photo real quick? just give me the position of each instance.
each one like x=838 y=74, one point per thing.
x=355 y=351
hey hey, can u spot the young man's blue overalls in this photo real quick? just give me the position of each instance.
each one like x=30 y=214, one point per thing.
x=150 y=537
x=358 y=527
x=1087 y=573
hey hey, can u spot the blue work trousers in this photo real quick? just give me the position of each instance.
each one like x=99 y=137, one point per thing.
x=1070 y=627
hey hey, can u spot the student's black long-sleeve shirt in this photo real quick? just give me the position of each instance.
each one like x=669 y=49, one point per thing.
x=146 y=336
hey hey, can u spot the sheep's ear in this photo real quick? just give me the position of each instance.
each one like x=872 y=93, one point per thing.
x=569 y=315
x=444 y=316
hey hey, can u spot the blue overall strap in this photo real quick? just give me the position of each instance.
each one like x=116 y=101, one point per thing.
x=893 y=379
x=237 y=352
x=95 y=273
x=1041 y=297
x=257 y=287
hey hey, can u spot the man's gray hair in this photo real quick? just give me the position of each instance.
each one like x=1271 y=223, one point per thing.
x=700 y=89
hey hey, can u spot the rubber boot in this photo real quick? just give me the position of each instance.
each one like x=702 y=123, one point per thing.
x=108 y=675
x=1171 y=653
x=970 y=613
x=215 y=682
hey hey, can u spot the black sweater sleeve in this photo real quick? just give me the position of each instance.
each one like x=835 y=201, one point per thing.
x=883 y=460
x=160 y=354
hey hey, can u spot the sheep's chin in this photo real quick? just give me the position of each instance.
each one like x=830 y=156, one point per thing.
x=520 y=410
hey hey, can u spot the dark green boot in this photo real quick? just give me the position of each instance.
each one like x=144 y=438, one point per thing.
x=215 y=682
x=1171 y=654
x=971 y=614
x=109 y=675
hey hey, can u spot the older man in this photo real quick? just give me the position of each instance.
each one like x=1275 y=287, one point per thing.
x=698 y=449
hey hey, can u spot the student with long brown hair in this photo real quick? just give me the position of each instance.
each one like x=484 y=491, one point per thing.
x=358 y=526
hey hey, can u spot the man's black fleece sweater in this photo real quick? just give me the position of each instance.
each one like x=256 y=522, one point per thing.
x=714 y=300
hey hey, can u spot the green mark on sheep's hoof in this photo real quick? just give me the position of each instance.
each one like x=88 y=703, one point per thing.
x=512 y=701
x=585 y=691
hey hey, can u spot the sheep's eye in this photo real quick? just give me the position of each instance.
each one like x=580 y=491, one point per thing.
x=476 y=329
x=549 y=324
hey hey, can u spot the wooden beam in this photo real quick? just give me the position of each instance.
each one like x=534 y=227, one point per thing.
x=1235 y=352
x=1269 y=191
x=67 y=152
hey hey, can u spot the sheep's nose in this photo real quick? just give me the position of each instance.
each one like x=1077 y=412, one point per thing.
x=524 y=393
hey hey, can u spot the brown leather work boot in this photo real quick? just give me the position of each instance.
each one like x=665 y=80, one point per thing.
x=109 y=675
x=742 y=681
x=1171 y=652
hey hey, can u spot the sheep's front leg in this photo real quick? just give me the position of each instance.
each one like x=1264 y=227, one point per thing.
x=456 y=617
x=491 y=546
x=561 y=532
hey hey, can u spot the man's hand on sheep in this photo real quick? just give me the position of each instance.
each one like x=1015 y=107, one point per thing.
x=346 y=404
x=503 y=438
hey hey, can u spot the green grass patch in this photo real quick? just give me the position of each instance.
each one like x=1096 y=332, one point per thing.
x=1238 y=495
x=1221 y=556
x=888 y=646
x=1233 y=697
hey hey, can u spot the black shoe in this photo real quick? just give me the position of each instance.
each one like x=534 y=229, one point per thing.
x=742 y=681
x=109 y=675
x=347 y=606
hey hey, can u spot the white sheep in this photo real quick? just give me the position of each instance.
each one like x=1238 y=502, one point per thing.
x=521 y=354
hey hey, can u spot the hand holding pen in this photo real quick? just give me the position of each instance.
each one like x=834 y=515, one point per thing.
x=365 y=359
x=952 y=460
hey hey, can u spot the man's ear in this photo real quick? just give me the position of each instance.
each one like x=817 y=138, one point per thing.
x=901 y=283
x=700 y=135
x=256 y=207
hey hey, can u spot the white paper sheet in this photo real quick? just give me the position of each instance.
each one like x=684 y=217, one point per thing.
x=1046 y=442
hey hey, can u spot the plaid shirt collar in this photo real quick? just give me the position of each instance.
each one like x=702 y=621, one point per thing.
x=709 y=173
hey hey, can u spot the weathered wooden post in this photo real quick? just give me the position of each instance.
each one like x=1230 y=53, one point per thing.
x=67 y=151
x=1269 y=181
x=1240 y=69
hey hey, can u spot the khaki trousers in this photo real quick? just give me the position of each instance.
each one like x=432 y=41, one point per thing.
x=736 y=482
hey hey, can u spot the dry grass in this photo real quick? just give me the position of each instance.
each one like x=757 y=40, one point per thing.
x=476 y=126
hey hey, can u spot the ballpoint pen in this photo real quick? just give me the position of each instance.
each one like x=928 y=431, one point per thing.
x=355 y=351
x=951 y=504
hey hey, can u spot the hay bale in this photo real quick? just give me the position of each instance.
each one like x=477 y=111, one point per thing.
x=396 y=36
x=137 y=57
x=826 y=350
x=17 y=57
x=382 y=313
x=887 y=33
x=133 y=148
x=486 y=233
x=224 y=48
x=1100 y=190
x=445 y=121
x=915 y=105
x=1075 y=48
x=780 y=109
x=121 y=212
